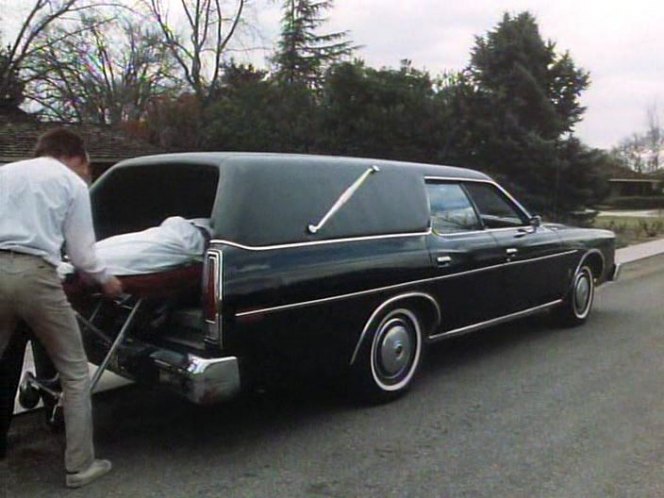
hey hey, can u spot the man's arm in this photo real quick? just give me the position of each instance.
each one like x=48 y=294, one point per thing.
x=80 y=240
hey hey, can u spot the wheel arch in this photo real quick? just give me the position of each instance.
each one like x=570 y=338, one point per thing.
x=426 y=307
x=594 y=259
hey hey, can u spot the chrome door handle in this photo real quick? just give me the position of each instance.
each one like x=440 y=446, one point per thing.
x=511 y=251
x=443 y=260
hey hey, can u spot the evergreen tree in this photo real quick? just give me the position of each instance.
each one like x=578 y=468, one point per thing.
x=303 y=55
x=521 y=102
x=528 y=85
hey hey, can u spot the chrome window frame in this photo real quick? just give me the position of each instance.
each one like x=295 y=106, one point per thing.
x=515 y=204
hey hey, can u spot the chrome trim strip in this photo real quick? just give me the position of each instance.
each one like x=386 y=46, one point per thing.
x=391 y=287
x=479 y=180
x=495 y=321
x=489 y=230
x=215 y=257
x=320 y=242
x=583 y=260
x=383 y=306
x=540 y=258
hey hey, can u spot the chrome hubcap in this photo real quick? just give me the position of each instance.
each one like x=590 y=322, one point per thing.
x=582 y=293
x=395 y=349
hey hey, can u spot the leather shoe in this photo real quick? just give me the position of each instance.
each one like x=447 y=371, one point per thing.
x=96 y=469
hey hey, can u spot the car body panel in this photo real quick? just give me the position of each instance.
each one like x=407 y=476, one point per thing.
x=292 y=298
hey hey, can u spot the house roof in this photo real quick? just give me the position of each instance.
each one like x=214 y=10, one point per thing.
x=105 y=145
x=635 y=180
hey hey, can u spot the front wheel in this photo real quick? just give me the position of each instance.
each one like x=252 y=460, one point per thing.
x=389 y=358
x=578 y=303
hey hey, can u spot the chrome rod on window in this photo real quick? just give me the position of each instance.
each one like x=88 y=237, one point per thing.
x=343 y=199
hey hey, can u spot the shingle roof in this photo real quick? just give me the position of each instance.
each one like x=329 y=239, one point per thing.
x=105 y=145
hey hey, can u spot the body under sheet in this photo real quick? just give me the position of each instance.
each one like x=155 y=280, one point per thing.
x=174 y=243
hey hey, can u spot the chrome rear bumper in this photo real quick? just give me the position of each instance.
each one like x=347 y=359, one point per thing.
x=201 y=380
x=615 y=273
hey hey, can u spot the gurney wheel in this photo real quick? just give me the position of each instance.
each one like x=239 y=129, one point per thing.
x=28 y=395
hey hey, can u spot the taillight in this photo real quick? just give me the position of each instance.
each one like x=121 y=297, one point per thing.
x=212 y=296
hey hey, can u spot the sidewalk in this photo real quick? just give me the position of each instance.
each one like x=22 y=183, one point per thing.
x=639 y=251
x=625 y=255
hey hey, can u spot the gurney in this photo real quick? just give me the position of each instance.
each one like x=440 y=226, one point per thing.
x=143 y=297
x=156 y=267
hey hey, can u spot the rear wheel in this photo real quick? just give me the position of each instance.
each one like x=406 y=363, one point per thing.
x=577 y=305
x=28 y=394
x=389 y=357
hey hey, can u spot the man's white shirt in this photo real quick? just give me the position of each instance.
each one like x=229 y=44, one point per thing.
x=44 y=204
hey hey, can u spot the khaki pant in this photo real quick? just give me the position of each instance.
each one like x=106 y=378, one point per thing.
x=30 y=290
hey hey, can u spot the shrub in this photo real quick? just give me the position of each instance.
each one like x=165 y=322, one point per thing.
x=643 y=202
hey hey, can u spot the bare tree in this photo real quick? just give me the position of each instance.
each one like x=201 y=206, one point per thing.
x=28 y=41
x=643 y=152
x=209 y=27
x=630 y=152
x=654 y=138
x=107 y=72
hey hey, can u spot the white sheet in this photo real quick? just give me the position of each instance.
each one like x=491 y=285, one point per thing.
x=177 y=241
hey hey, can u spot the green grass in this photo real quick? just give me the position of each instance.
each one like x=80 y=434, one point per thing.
x=632 y=229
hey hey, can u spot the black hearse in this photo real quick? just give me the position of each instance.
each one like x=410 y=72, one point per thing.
x=337 y=265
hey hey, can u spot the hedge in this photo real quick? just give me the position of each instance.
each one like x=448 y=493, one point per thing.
x=642 y=202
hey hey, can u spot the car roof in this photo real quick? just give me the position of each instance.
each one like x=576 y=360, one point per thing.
x=222 y=159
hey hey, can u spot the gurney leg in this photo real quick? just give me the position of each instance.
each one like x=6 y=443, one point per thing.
x=116 y=343
x=88 y=323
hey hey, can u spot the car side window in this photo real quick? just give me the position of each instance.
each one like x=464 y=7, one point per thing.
x=496 y=210
x=451 y=210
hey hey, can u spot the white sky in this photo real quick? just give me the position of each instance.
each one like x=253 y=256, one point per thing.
x=619 y=42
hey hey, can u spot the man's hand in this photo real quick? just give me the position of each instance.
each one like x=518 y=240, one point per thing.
x=112 y=287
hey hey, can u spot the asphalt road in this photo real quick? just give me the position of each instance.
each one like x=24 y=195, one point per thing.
x=523 y=410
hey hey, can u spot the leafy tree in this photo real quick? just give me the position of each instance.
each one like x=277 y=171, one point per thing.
x=383 y=113
x=256 y=113
x=583 y=176
x=303 y=54
x=175 y=122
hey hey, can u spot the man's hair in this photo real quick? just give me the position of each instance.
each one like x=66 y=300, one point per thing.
x=60 y=142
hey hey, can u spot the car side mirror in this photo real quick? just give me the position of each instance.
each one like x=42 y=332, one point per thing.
x=536 y=221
